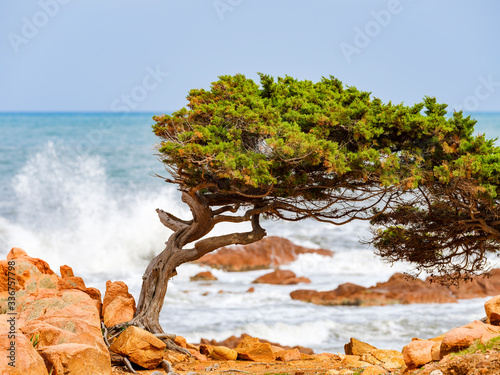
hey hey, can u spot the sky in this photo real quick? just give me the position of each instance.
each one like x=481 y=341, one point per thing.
x=132 y=56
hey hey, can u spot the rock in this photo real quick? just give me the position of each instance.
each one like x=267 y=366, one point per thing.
x=280 y=277
x=65 y=323
x=196 y=354
x=353 y=361
x=223 y=353
x=339 y=372
x=69 y=281
x=462 y=337
x=492 y=308
x=479 y=287
x=180 y=341
x=140 y=346
x=356 y=347
x=203 y=276
x=250 y=290
x=19 y=352
x=233 y=341
x=418 y=353
x=76 y=359
x=398 y=289
x=252 y=349
x=374 y=370
x=24 y=268
x=288 y=355
x=266 y=253
x=391 y=359
x=118 y=305
x=206 y=349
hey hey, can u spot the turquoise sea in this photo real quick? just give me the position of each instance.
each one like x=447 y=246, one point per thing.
x=79 y=189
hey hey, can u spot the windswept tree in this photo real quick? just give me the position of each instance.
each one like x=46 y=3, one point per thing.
x=288 y=150
x=451 y=223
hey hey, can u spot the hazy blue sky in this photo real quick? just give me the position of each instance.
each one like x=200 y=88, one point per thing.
x=122 y=55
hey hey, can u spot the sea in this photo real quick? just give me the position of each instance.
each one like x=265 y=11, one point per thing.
x=81 y=189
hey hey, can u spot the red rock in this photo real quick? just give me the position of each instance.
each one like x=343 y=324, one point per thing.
x=118 y=305
x=140 y=346
x=356 y=347
x=479 y=287
x=76 y=359
x=180 y=341
x=418 y=353
x=266 y=253
x=233 y=341
x=280 y=277
x=196 y=354
x=341 y=296
x=24 y=357
x=203 y=276
x=24 y=268
x=55 y=317
x=391 y=359
x=462 y=337
x=223 y=353
x=374 y=370
x=288 y=355
x=18 y=254
x=251 y=290
x=398 y=289
x=250 y=348
x=492 y=308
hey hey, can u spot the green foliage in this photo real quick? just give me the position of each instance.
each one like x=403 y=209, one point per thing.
x=289 y=134
x=478 y=347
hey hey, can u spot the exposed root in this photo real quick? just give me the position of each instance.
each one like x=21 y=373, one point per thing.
x=170 y=336
x=105 y=334
x=129 y=365
x=173 y=346
x=168 y=368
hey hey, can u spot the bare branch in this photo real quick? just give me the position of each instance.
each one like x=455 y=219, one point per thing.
x=172 y=222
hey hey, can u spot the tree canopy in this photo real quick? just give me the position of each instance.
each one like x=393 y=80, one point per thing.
x=304 y=149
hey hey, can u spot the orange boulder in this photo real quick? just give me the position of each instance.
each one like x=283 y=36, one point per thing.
x=118 y=305
x=140 y=346
x=266 y=253
x=250 y=348
x=203 y=276
x=19 y=357
x=280 y=277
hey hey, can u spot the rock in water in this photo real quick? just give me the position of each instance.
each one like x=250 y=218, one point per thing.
x=266 y=253
x=280 y=277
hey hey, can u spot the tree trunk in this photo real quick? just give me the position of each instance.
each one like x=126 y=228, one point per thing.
x=154 y=285
x=164 y=265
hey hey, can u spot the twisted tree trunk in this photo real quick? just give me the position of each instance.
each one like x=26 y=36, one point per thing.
x=164 y=265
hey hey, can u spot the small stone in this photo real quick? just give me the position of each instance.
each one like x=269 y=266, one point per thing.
x=224 y=353
x=436 y=372
x=203 y=276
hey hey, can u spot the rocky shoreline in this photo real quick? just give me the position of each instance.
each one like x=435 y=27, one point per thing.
x=54 y=324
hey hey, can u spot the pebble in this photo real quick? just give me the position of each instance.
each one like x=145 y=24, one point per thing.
x=436 y=372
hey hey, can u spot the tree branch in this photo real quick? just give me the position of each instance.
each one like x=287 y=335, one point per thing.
x=172 y=222
x=213 y=243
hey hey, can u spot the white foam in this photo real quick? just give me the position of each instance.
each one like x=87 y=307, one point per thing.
x=68 y=212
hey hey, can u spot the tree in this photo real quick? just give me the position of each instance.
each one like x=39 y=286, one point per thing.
x=451 y=223
x=288 y=150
